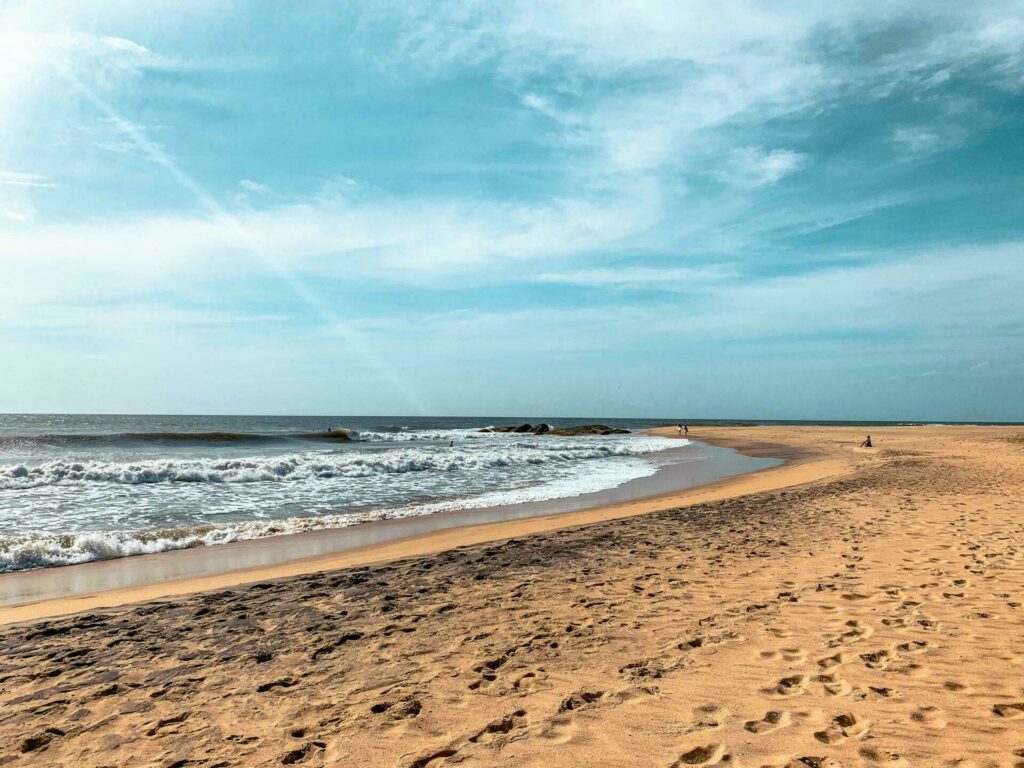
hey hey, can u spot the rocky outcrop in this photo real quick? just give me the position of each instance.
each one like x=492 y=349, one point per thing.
x=521 y=429
x=588 y=429
x=546 y=429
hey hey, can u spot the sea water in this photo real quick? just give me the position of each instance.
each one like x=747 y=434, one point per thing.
x=81 y=488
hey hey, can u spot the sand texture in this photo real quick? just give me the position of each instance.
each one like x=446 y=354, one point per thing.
x=871 y=617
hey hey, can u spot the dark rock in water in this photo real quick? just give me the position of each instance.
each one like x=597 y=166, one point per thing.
x=547 y=429
x=588 y=429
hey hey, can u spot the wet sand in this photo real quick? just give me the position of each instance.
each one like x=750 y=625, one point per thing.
x=853 y=608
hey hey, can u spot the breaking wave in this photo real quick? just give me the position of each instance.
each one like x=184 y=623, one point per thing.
x=230 y=438
x=44 y=550
x=314 y=465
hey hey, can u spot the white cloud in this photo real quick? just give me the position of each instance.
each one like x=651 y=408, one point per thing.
x=753 y=167
x=253 y=186
x=640 y=95
x=21 y=179
x=647 y=85
x=663 y=278
x=908 y=309
x=131 y=318
x=959 y=121
x=409 y=241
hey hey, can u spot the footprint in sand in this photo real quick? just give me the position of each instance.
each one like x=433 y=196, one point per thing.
x=434 y=758
x=706 y=717
x=876 y=756
x=707 y=754
x=855 y=630
x=834 y=684
x=792 y=655
x=300 y=754
x=855 y=597
x=914 y=646
x=1015 y=709
x=830 y=662
x=772 y=721
x=930 y=717
x=790 y=686
x=529 y=682
x=879 y=659
x=806 y=762
x=876 y=692
x=843 y=726
x=560 y=730
x=505 y=728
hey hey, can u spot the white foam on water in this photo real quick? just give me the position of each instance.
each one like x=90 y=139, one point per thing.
x=300 y=466
x=586 y=466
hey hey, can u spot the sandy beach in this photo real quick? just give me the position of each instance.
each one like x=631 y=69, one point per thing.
x=852 y=607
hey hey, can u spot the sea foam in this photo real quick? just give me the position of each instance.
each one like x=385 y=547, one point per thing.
x=318 y=464
x=41 y=550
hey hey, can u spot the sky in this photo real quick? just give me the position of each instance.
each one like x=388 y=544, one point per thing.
x=646 y=209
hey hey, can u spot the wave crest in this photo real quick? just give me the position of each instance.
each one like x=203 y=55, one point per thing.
x=317 y=465
x=38 y=550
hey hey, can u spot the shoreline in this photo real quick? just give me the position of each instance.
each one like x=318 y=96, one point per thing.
x=791 y=472
x=872 y=616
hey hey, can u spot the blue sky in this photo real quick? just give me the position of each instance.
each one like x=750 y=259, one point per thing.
x=665 y=209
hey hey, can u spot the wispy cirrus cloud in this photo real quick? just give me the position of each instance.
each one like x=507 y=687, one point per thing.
x=754 y=167
x=421 y=242
x=646 y=88
x=22 y=179
x=488 y=180
x=638 y=276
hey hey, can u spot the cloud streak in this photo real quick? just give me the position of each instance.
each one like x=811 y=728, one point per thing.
x=484 y=184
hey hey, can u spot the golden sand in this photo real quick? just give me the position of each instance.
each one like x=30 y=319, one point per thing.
x=852 y=608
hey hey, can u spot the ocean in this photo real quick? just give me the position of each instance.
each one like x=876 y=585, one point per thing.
x=77 y=488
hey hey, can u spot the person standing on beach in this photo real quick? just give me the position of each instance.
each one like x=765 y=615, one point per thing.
x=679 y=430
x=686 y=430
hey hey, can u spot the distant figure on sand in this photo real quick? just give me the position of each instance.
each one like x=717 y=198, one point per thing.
x=679 y=429
x=867 y=442
x=686 y=430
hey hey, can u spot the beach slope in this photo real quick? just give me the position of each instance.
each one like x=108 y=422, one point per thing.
x=871 y=616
